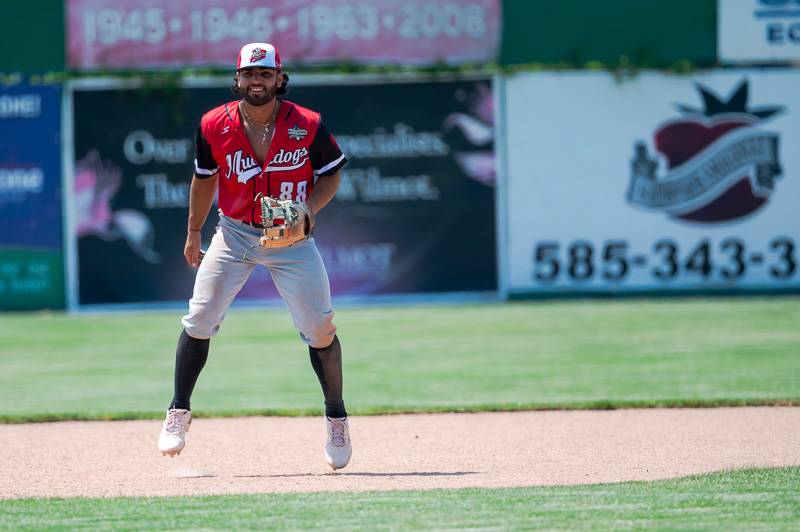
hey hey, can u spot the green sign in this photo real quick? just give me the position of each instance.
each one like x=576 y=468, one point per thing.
x=31 y=279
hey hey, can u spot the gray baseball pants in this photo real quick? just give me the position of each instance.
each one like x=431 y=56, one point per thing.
x=297 y=271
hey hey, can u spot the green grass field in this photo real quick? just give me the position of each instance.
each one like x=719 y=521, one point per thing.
x=766 y=499
x=600 y=354
x=472 y=357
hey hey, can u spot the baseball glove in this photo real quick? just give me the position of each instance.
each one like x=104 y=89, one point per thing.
x=285 y=222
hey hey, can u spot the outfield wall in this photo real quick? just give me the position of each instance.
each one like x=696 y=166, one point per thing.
x=675 y=184
x=663 y=233
x=658 y=183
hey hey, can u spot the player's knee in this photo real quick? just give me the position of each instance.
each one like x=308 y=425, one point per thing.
x=200 y=325
x=199 y=331
x=319 y=333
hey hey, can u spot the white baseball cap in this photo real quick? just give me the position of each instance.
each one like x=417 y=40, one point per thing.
x=258 y=54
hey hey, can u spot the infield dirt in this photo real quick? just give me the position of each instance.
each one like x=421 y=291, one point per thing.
x=486 y=450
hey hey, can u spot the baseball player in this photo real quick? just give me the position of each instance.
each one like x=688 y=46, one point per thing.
x=274 y=166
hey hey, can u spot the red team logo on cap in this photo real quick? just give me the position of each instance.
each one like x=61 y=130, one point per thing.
x=257 y=55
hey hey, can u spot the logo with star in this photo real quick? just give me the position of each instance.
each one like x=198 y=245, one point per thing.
x=716 y=164
x=297 y=133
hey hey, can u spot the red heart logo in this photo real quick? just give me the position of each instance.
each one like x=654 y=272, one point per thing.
x=681 y=140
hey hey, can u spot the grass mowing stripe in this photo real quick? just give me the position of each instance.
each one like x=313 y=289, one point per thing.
x=753 y=499
x=376 y=411
x=415 y=358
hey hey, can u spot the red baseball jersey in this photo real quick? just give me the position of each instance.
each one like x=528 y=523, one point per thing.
x=302 y=149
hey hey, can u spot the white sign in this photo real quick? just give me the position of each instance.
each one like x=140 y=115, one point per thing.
x=758 y=30
x=662 y=182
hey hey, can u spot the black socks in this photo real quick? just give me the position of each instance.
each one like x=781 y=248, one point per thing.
x=327 y=364
x=190 y=357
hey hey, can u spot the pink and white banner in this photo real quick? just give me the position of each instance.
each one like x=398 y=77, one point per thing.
x=112 y=34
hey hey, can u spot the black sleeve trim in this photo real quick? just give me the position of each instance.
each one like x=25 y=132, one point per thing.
x=326 y=156
x=204 y=164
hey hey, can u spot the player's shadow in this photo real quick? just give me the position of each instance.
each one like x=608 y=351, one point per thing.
x=412 y=474
x=367 y=474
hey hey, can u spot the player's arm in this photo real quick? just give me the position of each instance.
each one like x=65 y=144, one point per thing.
x=324 y=190
x=201 y=197
x=328 y=160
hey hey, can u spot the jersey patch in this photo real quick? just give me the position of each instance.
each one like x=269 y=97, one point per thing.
x=297 y=133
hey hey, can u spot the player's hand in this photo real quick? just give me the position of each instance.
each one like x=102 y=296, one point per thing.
x=191 y=250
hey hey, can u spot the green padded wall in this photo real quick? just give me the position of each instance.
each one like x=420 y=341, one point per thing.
x=32 y=36
x=648 y=32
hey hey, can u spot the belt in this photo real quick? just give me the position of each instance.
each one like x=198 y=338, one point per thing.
x=251 y=224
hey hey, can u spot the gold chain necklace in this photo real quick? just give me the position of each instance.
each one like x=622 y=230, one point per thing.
x=268 y=126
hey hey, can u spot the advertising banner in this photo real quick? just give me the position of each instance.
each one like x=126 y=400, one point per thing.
x=657 y=183
x=31 y=256
x=134 y=153
x=414 y=212
x=758 y=31
x=113 y=34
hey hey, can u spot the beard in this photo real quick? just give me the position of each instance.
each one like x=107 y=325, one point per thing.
x=264 y=98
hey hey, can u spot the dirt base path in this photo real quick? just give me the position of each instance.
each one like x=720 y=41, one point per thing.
x=261 y=454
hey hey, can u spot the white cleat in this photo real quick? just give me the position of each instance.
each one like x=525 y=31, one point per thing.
x=172 y=439
x=337 y=443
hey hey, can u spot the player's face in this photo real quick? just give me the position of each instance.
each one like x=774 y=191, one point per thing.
x=259 y=85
